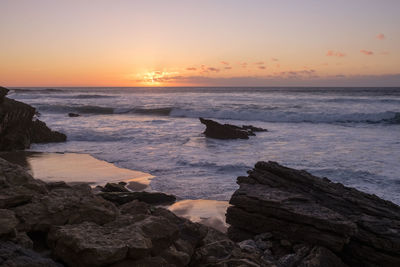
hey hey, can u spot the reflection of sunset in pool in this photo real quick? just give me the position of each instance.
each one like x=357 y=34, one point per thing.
x=74 y=167
x=208 y=212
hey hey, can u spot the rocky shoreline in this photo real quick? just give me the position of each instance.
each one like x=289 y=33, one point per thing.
x=19 y=126
x=279 y=216
x=56 y=224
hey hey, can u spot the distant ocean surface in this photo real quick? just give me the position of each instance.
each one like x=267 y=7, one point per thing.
x=350 y=135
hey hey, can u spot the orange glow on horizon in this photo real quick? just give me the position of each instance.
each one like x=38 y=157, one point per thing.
x=162 y=43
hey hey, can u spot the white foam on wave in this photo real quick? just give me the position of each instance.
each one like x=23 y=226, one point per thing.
x=287 y=116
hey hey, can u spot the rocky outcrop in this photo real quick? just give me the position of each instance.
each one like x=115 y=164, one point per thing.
x=19 y=128
x=79 y=228
x=228 y=131
x=301 y=209
x=120 y=198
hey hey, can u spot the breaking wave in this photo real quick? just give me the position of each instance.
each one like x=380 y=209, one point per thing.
x=265 y=115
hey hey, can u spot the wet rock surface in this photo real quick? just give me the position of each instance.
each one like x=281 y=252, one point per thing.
x=335 y=223
x=19 y=127
x=55 y=224
x=229 y=131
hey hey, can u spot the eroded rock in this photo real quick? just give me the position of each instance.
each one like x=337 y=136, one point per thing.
x=298 y=207
x=18 y=128
x=228 y=131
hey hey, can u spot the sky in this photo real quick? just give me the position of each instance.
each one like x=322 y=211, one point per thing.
x=199 y=43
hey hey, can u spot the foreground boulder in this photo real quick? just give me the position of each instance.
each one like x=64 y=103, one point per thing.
x=18 y=128
x=228 y=131
x=12 y=255
x=298 y=208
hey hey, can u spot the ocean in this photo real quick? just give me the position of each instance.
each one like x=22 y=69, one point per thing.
x=350 y=135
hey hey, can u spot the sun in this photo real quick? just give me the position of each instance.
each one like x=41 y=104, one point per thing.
x=157 y=78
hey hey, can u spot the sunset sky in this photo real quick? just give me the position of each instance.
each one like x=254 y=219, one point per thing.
x=199 y=43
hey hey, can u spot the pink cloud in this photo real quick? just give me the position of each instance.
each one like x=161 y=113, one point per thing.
x=366 y=52
x=262 y=67
x=380 y=36
x=228 y=68
x=244 y=65
x=259 y=63
x=213 y=69
x=332 y=53
x=191 y=68
x=224 y=63
x=274 y=59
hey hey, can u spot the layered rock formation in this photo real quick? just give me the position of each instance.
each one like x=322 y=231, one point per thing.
x=79 y=228
x=302 y=210
x=229 y=131
x=18 y=128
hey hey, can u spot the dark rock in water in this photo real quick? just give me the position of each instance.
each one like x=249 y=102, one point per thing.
x=228 y=131
x=253 y=128
x=113 y=187
x=17 y=127
x=40 y=133
x=361 y=229
x=73 y=115
x=120 y=198
x=12 y=255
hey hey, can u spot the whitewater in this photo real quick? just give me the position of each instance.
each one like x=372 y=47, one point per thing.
x=350 y=135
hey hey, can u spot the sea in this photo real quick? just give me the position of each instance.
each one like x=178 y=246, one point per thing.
x=350 y=135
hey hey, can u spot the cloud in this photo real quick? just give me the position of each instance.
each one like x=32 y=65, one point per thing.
x=274 y=59
x=191 y=68
x=332 y=53
x=380 y=36
x=262 y=67
x=259 y=63
x=228 y=68
x=243 y=64
x=293 y=78
x=224 y=63
x=213 y=69
x=366 y=52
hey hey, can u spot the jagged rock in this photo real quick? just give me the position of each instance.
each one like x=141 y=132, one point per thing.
x=40 y=133
x=3 y=93
x=17 y=187
x=228 y=131
x=64 y=205
x=72 y=115
x=253 y=128
x=8 y=222
x=135 y=207
x=120 y=198
x=17 y=127
x=294 y=205
x=113 y=187
x=12 y=255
